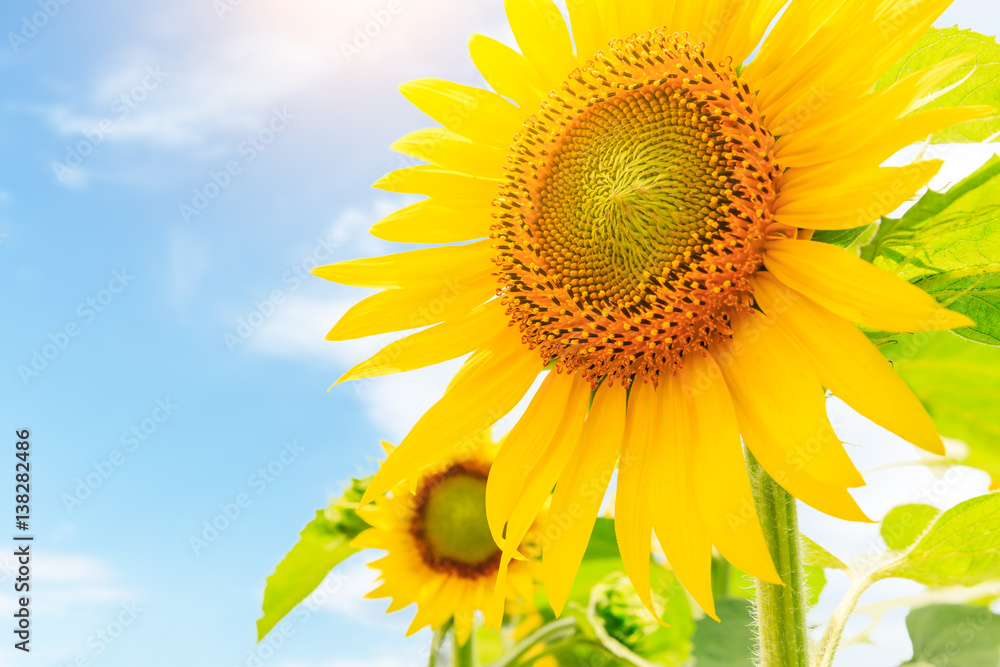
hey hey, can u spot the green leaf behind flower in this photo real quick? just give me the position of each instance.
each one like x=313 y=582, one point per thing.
x=903 y=525
x=949 y=245
x=962 y=547
x=958 y=381
x=729 y=643
x=975 y=82
x=667 y=645
x=324 y=543
x=951 y=634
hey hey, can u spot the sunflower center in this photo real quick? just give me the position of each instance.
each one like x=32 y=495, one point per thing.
x=634 y=208
x=450 y=522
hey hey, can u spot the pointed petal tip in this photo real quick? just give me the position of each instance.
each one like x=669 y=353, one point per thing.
x=336 y=336
x=929 y=441
x=367 y=497
x=766 y=572
x=956 y=320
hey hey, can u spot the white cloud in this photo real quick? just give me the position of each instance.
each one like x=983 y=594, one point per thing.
x=68 y=585
x=73 y=582
x=222 y=76
x=297 y=330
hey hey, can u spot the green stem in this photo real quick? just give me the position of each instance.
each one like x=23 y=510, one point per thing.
x=549 y=633
x=781 y=610
x=437 y=643
x=835 y=630
x=461 y=653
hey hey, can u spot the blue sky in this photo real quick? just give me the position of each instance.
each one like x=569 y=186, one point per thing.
x=171 y=173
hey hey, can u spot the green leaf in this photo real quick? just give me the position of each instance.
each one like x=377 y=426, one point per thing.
x=729 y=643
x=961 y=548
x=815 y=579
x=844 y=238
x=816 y=559
x=667 y=645
x=814 y=554
x=488 y=644
x=323 y=544
x=958 y=381
x=903 y=525
x=951 y=634
x=974 y=83
x=949 y=246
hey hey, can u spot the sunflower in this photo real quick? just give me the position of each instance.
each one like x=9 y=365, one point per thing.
x=632 y=219
x=441 y=554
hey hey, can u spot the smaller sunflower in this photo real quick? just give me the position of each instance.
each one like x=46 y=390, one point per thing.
x=441 y=554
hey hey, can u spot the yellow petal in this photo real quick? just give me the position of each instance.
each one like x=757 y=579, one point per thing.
x=508 y=72
x=448 y=340
x=541 y=33
x=676 y=516
x=580 y=490
x=854 y=289
x=740 y=26
x=635 y=16
x=463 y=623
x=453 y=152
x=434 y=181
x=805 y=75
x=437 y=221
x=902 y=132
x=719 y=472
x=856 y=202
x=634 y=495
x=538 y=481
x=421 y=305
x=774 y=383
x=848 y=364
x=827 y=498
x=476 y=114
x=489 y=385
x=413 y=267
x=588 y=29
x=856 y=121
x=794 y=30
x=522 y=448
x=536 y=487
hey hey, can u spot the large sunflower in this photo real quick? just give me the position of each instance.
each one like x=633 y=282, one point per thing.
x=649 y=199
x=441 y=555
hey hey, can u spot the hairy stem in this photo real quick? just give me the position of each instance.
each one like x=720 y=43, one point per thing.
x=834 y=631
x=781 y=610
